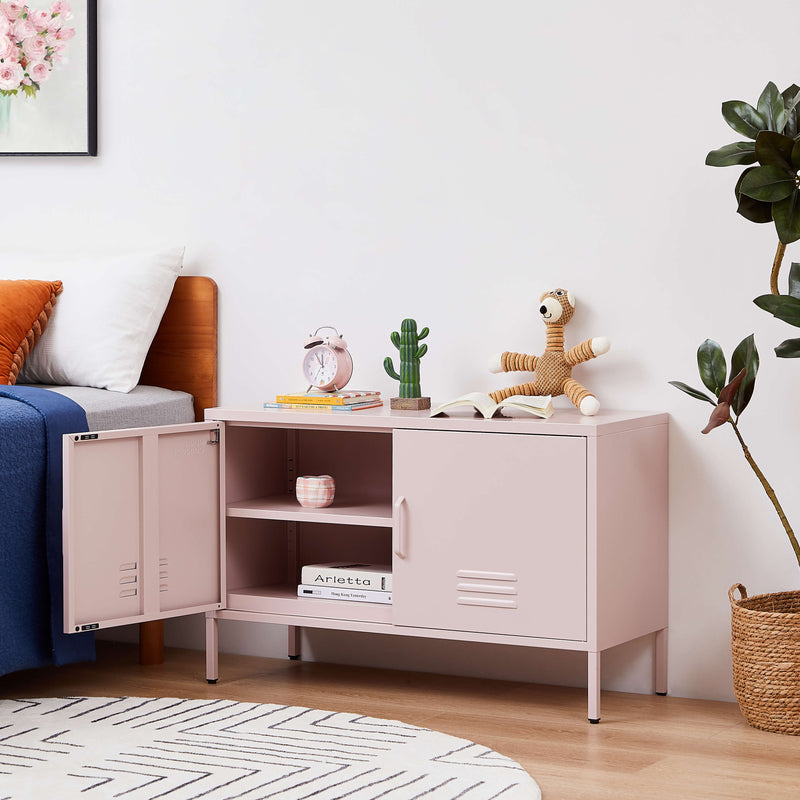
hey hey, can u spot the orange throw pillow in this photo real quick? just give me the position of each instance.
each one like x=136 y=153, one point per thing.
x=25 y=308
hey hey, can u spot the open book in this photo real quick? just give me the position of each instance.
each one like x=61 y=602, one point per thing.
x=483 y=404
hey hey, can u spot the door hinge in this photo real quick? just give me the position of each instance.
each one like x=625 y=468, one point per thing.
x=215 y=434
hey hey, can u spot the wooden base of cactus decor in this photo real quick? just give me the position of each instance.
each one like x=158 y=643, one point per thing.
x=410 y=403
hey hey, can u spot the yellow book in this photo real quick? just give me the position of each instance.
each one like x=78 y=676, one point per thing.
x=342 y=398
x=321 y=407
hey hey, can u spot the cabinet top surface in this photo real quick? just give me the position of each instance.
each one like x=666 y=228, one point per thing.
x=564 y=422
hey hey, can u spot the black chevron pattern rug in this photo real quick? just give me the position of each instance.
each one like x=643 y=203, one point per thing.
x=137 y=748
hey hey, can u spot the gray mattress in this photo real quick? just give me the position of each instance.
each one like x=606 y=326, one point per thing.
x=139 y=408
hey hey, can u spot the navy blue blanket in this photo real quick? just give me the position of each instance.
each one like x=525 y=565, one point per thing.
x=32 y=422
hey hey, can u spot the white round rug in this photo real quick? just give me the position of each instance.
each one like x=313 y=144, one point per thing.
x=139 y=748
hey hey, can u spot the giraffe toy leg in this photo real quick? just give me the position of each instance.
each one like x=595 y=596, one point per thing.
x=528 y=389
x=581 y=397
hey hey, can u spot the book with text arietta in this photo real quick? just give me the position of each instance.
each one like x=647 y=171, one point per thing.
x=483 y=404
x=377 y=577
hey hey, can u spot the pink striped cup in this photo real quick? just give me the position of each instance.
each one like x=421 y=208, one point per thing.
x=315 y=491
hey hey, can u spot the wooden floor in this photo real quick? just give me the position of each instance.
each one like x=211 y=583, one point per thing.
x=645 y=747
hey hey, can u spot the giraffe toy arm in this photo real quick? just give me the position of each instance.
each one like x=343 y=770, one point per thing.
x=512 y=362
x=587 y=350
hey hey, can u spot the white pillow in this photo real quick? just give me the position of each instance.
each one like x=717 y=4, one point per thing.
x=105 y=319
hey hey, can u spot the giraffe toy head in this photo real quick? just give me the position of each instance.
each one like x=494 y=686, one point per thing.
x=557 y=307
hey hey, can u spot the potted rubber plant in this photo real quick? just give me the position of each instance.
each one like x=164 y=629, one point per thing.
x=765 y=629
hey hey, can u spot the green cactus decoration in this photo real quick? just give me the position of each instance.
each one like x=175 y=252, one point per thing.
x=411 y=351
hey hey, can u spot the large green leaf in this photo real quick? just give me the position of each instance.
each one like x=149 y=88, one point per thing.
x=791 y=99
x=768 y=184
x=743 y=118
x=782 y=306
x=711 y=365
x=794 y=280
x=794 y=157
x=774 y=149
x=771 y=107
x=736 y=153
x=788 y=349
x=754 y=210
x=745 y=356
x=786 y=214
x=696 y=393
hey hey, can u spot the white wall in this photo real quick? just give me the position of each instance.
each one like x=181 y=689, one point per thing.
x=359 y=161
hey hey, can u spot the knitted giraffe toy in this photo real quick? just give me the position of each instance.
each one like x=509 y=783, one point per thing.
x=553 y=369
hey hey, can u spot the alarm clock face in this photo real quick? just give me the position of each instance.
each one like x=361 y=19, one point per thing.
x=327 y=368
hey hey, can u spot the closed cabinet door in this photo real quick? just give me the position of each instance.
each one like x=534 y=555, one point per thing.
x=490 y=533
x=141 y=525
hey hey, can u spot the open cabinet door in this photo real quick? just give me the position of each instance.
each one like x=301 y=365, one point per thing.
x=142 y=536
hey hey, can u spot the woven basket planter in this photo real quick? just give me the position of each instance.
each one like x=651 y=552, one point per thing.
x=765 y=643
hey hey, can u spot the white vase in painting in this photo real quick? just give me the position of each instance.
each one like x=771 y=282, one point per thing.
x=5 y=111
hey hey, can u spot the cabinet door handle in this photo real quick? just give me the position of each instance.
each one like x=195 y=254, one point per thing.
x=400 y=527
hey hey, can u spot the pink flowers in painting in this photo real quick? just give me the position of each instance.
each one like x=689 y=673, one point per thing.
x=31 y=44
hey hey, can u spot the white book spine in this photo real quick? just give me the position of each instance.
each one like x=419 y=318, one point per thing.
x=333 y=593
x=346 y=578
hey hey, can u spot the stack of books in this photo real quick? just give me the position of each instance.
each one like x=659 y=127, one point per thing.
x=341 y=580
x=352 y=400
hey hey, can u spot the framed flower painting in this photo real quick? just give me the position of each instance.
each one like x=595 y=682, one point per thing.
x=48 y=77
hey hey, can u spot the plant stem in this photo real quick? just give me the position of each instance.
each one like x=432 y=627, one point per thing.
x=769 y=490
x=776 y=268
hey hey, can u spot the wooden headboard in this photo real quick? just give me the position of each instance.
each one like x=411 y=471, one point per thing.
x=183 y=355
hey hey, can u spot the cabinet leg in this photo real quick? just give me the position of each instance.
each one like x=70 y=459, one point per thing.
x=661 y=656
x=151 y=642
x=593 y=685
x=293 y=644
x=212 y=648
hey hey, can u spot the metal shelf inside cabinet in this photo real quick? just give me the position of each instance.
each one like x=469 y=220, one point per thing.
x=343 y=511
x=283 y=599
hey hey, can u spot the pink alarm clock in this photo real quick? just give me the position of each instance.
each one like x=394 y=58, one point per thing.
x=327 y=365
